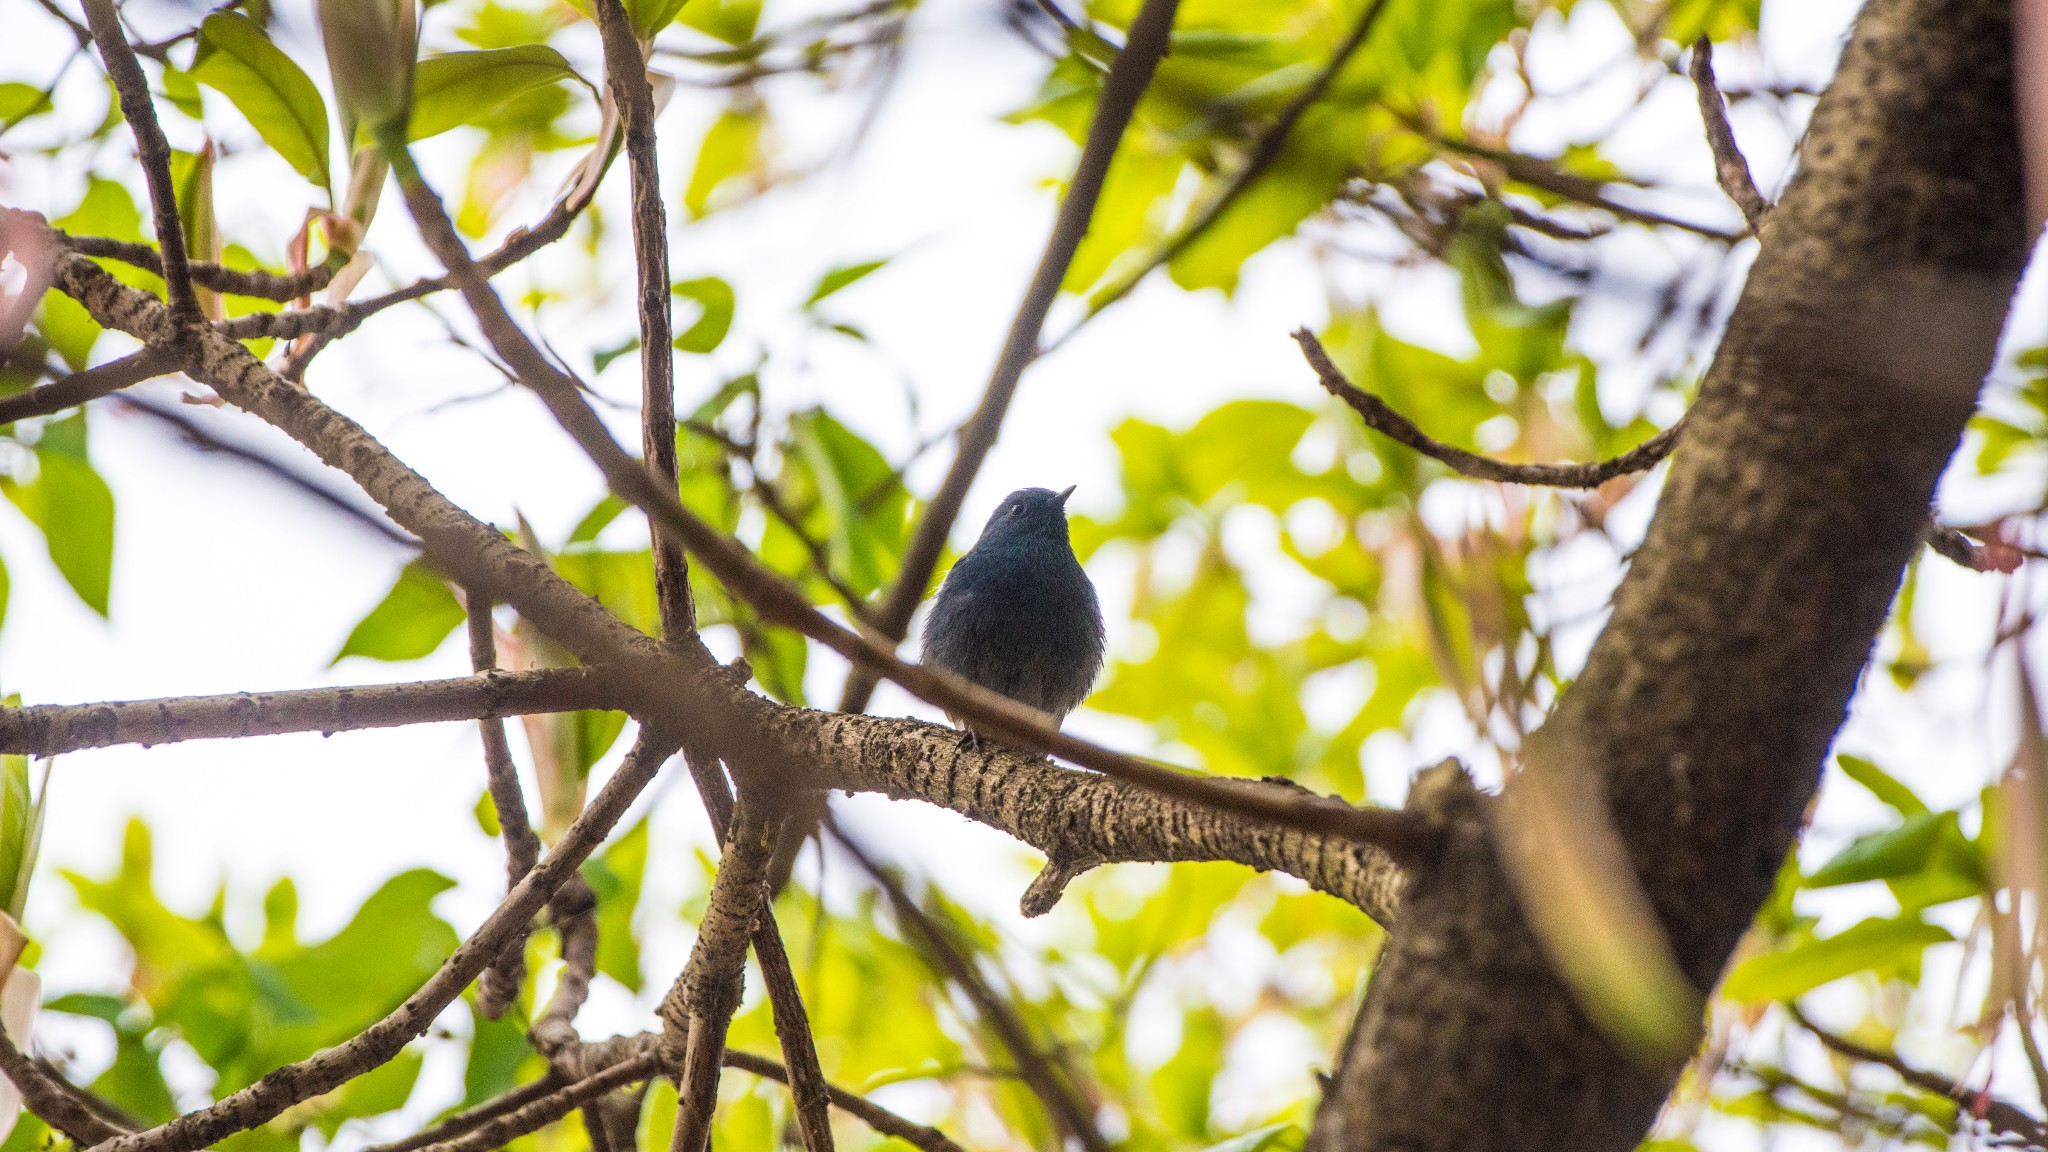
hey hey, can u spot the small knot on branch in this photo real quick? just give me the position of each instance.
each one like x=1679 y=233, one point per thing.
x=1051 y=883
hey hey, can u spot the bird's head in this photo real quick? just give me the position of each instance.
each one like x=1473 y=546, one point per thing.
x=1030 y=512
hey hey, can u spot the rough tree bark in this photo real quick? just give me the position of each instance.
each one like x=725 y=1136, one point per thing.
x=1709 y=701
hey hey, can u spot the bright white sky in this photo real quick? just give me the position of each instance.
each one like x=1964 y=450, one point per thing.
x=225 y=582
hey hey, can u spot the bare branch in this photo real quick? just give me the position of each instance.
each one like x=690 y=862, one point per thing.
x=1383 y=419
x=330 y=1068
x=573 y=911
x=502 y=1130
x=1730 y=167
x=2000 y=1114
x=50 y=729
x=698 y=1009
x=1054 y=1083
x=151 y=149
x=1546 y=175
x=91 y=384
x=873 y=1115
x=626 y=74
x=499 y=985
x=254 y=282
x=470 y=1120
x=1147 y=43
x=45 y=1095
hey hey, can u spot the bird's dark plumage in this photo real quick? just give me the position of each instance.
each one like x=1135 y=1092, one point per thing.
x=1017 y=614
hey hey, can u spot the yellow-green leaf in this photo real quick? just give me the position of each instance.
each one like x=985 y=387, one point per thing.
x=410 y=622
x=1875 y=944
x=236 y=59
x=465 y=87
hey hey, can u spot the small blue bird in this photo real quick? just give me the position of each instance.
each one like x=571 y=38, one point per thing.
x=1017 y=614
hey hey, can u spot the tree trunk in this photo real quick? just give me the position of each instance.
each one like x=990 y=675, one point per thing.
x=1708 y=703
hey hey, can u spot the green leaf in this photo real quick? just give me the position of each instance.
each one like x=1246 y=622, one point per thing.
x=1876 y=944
x=715 y=297
x=466 y=87
x=839 y=278
x=731 y=148
x=74 y=508
x=239 y=61
x=15 y=809
x=410 y=622
x=496 y=1050
x=20 y=101
x=1896 y=851
x=615 y=877
x=1271 y=1138
x=1881 y=784
x=732 y=21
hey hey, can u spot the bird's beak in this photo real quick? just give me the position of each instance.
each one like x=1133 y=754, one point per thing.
x=1066 y=492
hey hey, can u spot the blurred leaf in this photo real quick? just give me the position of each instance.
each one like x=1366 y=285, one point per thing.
x=20 y=101
x=237 y=59
x=1881 y=784
x=839 y=278
x=615 y=875
x=1886 y=946
x=715 y=299
x=410 y=622
x=74 y=508
x=657 y=1116
x=1271 y=1138
x=497 y=1049
x=731 y=148
x=732 y=21
x=372 y=51
x=458 y=88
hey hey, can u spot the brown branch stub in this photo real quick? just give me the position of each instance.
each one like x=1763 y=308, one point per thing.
x=50 y=729
x=1381 y=417
x=1146 y=44
x=152 y=150
x=1731 y=168
x=499 y=985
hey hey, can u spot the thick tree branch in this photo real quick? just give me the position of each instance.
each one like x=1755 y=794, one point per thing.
x=51 y=729
x=330 y=1068
x=1849 y=370
x=1731 y=168
x=1146 y=44
x=151 y=149
x=1381 y=418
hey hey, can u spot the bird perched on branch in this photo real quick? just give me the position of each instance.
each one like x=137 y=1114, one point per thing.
x=1017 y=614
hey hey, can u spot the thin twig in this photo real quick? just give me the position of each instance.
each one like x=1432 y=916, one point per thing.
x=873 y=1115
x=376 y=1045
x=1382 y=418
x=255 y=282
x=69 y=391
x=1263 y=155
x=2000 y=1114
x=626 y=74
x=48 y=1100
x=151 y=149
x=196 y=435
x=470 y=1120
x=1546 y=175
x=502 y=1130
x=573 y=911
x=1055 y=1085
x=51 y=729
x=499 y=985
x=1730 y=166
x=1148 y=41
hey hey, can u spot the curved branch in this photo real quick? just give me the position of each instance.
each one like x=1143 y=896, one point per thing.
x=88 y=385
x=220 y=278
x=532 y=1117
x=1382 y=418
x=873 y=1115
